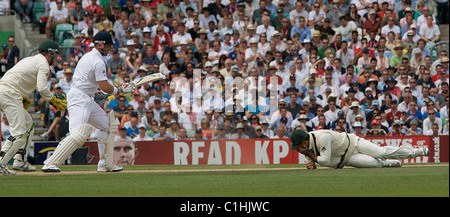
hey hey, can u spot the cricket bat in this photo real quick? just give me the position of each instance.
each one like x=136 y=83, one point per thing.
x=147 y=79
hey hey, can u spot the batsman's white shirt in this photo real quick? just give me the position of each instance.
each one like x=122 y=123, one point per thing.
x=80 y=102
x=90 y=69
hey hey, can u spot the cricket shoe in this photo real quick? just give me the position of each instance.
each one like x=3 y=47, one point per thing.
x=5 y=171
x=24 y=166
x=50 y=169
x=101 y=167
x=392 y=163
x=115 y=168
x=44 y=136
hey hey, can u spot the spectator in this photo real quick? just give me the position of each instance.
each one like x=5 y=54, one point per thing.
x=122 y=135
x=133 y=129
x=239 y=132
x=13 y=54
x=3 y=59
x=142 y=134
x=345 y=30
x=147 y=119
x=56 y=16
x=114 y=61
x=353 y=112
x=207 y=132
x=221 y=132
x=414 y=113
x=429 y=122
x=332 y=113
x=372 y=24
x=265 y=27
x=442 y=95
x=77 y=13
x=429 y=31
x=375 y=129
x=426 y=80
x=393 y=111
x=163 y=135
x=316 y=16
x=66 y=82
x=182 y=135
x=345 y=55
x=4 y=7
x=413 y=130
x=302 y=29
x=358 y=129
x=121 y=110
x=280 y=133
x=174 y=128
x=397 y=129
x=24 y=9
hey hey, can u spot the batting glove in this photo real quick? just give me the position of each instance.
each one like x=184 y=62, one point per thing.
x=127 y=88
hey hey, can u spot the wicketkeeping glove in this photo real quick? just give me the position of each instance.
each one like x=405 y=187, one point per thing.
x=59 y=102
x=26 y=103
x=127 y=88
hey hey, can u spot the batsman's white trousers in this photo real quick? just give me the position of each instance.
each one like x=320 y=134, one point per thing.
x=368 y=154
x=83 y=109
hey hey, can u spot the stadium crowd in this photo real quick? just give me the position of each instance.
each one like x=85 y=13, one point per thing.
x=260 y=68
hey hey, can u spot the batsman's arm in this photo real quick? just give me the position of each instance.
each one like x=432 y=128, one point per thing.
x=106 y=87
x=124 y=88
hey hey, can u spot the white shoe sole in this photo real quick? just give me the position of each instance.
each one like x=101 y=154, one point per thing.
x=114 y=169
x=50 y=169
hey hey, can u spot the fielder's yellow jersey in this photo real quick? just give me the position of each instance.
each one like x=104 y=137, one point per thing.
x=27 y=75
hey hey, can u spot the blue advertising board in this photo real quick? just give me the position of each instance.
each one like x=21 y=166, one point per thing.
x=43 y=150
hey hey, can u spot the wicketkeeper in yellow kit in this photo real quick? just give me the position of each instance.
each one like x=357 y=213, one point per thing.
x=15 y=86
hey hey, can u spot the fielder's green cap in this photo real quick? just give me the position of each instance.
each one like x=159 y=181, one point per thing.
x=49 y=45
x=297 y=137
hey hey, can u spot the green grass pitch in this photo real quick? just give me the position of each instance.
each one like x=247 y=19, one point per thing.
x=422 y=180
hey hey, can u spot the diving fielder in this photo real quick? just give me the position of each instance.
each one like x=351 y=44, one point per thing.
x=15 y=86
x=336 y=150
x=89 y=75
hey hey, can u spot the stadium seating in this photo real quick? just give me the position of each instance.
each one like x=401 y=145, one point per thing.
x=68 y=42
x=38 y=11
x=75 y=28
x=61 y=28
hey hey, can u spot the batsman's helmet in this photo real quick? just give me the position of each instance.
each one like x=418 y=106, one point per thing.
x=297 y=137
x=104 y=38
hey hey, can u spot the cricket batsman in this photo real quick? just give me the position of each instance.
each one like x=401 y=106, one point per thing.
x=15 y=86
x=84 y=112
x=336 y=150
